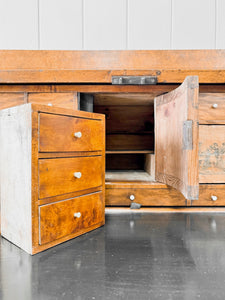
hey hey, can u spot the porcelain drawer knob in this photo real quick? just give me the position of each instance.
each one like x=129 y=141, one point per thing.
x=215 y=105
x=77 y=174
x=78 y=134
x=77 y=215
x=132 y=197
x=50 y=104
x=214 y=198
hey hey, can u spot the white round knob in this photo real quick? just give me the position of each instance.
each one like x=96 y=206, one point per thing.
x=49 y=104
x=215 y=105
x=77 y=215
x=78 y=134
x=77 y=174
x=132 y=197
x=214 y=198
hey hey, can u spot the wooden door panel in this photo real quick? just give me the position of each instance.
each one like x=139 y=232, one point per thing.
x=176 y=138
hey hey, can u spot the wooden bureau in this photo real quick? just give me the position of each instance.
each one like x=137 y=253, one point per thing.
x=164 y=136
x=52 y=168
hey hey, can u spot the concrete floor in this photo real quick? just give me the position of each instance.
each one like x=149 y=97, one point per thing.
x=135 y=257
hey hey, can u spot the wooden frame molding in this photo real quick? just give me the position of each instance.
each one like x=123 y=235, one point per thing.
x=52 y=66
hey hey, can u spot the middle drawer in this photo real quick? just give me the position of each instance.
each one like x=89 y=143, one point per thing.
x=66 y=175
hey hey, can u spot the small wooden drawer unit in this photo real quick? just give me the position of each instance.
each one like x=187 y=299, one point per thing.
x=52 y=174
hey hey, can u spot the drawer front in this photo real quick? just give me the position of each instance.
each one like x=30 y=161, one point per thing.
x=65 y=100
x=211 y=195
x=70 y=217
x=212 y=154
x=56 y=134
x=212 y=108
x=145 y=197
x=61 y=175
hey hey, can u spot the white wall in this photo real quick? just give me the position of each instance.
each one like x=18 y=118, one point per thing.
x=112 y=24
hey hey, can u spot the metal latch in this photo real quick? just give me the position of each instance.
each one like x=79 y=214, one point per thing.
x=134 y=80
x=187 y=135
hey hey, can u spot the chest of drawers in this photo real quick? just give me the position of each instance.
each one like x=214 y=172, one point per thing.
x=52 y=175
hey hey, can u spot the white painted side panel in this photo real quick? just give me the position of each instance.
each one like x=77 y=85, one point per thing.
x=220 y=24
x=19 y=24
x=60 y=24
x=193 y=24
x=105 y=24
x=15 y=175
x=149 y=24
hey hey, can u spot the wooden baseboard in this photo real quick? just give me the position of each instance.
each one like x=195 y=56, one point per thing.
x=109 y=210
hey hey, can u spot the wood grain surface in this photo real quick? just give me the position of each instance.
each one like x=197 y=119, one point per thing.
x=66 y=100
x=212 y=154
x=57 y=134
x=175 y=163
x=57 y=220
x=171 y=66
x=207 y=113
x=56 y=176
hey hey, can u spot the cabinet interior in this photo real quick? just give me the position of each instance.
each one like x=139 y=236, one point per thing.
x=129 y=133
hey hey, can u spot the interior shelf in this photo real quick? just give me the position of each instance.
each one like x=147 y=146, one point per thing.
x=129 y=152
x=130 y=175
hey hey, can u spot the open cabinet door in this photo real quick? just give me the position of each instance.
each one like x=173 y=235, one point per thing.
x=177 y=138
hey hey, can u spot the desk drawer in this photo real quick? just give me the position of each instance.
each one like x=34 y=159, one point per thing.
x=56 y=134
x=61 y=175
x=210 y=195
x=212 y=108
x=70 y=217
x=144 y=196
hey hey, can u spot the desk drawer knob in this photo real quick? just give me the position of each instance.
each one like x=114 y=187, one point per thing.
x=77 y=215
x=132 y=197
x=77 y=174
x=50 y=104
x=78 y=134
x=215 y=105
x=214 y=198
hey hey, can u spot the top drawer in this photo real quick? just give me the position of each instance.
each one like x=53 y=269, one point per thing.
x=56 y=134
x=212 y=108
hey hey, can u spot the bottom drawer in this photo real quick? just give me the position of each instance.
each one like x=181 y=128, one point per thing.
x=210 y=195
x=69 y=217
x=144 y=196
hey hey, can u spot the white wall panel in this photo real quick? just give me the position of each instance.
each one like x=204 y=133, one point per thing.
x=193 y=24
x=149 y=24
x=19 y=24
x=220 y=24
x=60 y=24
x=105 y=24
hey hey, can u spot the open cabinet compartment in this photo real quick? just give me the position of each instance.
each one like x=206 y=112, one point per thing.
x=129 y=134
x=152 y=139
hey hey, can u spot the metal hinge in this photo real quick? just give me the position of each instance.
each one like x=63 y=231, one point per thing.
x=187 y=135
x=134 y=80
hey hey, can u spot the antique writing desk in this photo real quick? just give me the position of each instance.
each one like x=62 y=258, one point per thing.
x=164 y=142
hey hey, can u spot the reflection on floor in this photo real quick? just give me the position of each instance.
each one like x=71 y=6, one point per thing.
x=135 y=256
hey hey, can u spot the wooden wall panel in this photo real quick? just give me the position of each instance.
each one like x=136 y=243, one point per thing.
x=143 y=17
x=61 y=24
x=104 y=24
x=19 y=24
x=193 y=24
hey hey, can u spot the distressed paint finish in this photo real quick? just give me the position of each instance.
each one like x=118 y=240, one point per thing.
x=212 y=154
x=177 y=165
x=15 y=180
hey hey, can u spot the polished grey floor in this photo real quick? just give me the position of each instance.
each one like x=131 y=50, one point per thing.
x=135 y=257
